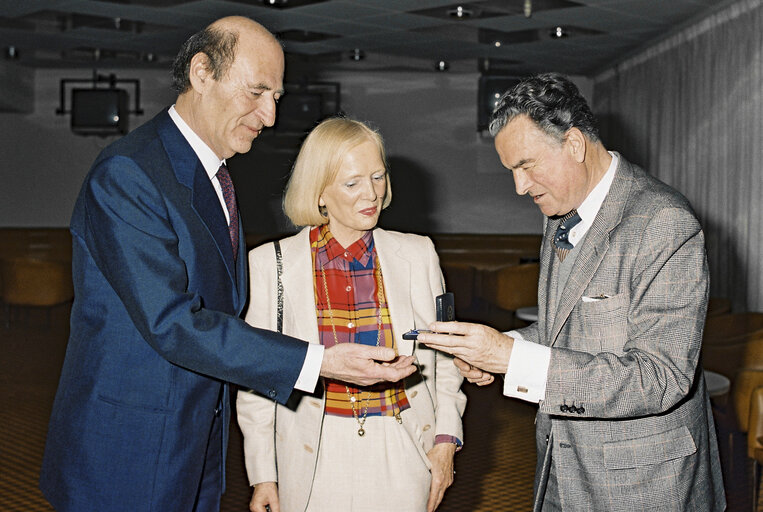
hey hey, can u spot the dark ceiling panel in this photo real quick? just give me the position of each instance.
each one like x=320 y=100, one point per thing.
x=595 y=33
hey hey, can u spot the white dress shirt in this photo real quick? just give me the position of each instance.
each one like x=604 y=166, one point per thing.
x=527 y=373
x=311 y=368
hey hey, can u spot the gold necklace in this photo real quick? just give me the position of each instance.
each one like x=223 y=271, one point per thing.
x=380 y=297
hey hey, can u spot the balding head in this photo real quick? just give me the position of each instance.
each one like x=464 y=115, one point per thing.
x=231 y=84
x=218 y=41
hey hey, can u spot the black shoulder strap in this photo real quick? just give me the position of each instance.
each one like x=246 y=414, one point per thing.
x=279 y=269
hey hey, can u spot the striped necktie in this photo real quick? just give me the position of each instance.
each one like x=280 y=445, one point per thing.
x=229 y=194
x=562 y=244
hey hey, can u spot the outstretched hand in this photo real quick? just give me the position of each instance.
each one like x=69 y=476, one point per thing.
x=478 y=345
x=473 y=374
x=363 y=365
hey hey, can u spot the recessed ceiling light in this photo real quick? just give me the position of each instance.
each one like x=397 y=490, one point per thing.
x=497 y=44
x=460 y=12
x=558 y=32
x=442 y=65
x=357 y=54
x=11 y=53
x=528 y=8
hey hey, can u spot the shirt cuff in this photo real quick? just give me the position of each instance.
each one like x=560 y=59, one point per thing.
x=311 y=368
x=445 y=438
x=527 y=374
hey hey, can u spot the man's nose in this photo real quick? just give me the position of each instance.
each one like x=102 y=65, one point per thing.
x=521 y=181
x=267 y=112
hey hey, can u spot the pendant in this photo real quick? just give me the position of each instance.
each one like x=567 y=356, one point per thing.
x=398 y=418
x=361 y=432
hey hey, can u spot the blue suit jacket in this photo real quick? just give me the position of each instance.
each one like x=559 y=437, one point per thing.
x=155 y=333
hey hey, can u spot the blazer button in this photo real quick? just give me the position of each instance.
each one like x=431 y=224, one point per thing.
x=564 y=408
x=272 y=393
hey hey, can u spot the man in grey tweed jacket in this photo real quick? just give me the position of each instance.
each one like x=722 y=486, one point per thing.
x=624 y=420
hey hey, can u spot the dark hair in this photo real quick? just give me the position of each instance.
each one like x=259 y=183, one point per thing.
x=218 y=45
x=549 y=99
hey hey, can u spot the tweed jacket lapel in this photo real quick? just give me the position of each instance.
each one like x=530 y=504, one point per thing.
x=547 y=284
x=594 y=246
x=397 y=286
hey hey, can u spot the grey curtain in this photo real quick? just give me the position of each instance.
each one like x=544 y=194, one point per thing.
x=690 y=111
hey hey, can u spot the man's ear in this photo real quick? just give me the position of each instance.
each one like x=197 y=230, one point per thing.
x=199 y=73
x=576 y=144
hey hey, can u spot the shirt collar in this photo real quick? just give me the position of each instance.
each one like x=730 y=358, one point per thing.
x=592 y=203
x=360 y=250
x=208 y=158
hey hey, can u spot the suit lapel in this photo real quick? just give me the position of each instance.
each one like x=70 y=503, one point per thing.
x=547 y=286
x=594 y=246
x=204 y=200
x=396 y=277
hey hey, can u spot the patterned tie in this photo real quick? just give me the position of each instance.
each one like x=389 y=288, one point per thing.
x=229 y=194
x=561 y=238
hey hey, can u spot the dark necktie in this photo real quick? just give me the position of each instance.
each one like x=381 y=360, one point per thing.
x=562 y=244
x=229 y=194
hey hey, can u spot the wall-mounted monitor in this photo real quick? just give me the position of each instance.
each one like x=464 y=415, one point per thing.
x=306 y=104
x=99 y=111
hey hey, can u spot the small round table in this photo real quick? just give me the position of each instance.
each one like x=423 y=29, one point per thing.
x=529 y=314
x=717 y=387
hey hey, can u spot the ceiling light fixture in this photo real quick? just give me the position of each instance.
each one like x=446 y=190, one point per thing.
x=357 y=54
x=528 y=8
x=441 y=66
x=11 y=53
x=460 y=12
x=559 y=32
x=497 y=44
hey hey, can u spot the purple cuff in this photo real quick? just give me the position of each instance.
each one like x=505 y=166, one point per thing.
x=445 y=438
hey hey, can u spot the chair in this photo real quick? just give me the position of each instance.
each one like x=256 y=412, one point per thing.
x=755 y=439
x=36 y=283
x=510 y=288
x=733 y=346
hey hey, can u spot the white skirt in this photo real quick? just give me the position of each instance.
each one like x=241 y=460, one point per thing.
x=378 y=472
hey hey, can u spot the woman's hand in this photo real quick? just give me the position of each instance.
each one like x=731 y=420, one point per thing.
x=265 y=495
x=441 y=457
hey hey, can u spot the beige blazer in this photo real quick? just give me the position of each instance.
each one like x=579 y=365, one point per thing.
x=281 y=442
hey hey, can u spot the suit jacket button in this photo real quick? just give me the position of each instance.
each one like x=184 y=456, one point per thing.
x=272 y=393
x=564 y=408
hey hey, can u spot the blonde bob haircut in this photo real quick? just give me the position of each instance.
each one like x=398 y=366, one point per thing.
x=318 y=163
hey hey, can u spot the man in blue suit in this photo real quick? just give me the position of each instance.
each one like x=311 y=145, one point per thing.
x=141 y=415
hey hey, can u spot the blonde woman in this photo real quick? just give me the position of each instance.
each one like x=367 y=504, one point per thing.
x=381 y=448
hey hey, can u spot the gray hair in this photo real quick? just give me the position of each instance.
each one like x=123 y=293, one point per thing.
x=552 y=101
x=218 y=45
